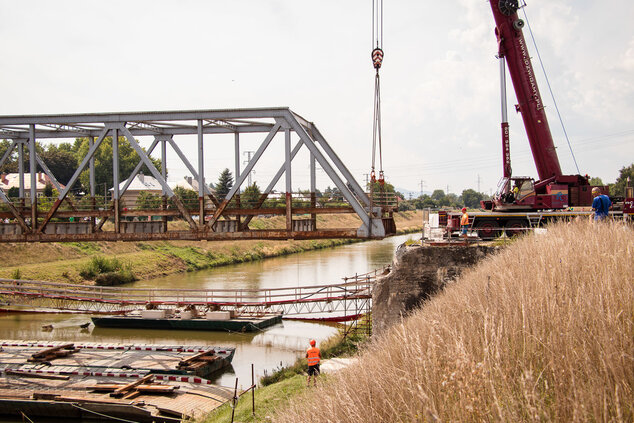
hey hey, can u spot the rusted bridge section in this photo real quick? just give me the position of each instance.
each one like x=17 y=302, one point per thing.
x=338 y=302
x=79 y=214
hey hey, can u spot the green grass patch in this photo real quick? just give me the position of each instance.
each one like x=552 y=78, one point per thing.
x=85 y=247
x=336 y=346
x=107 y=271
x=281 y=386
x=267 y=400
x=410 y=241
x=194 y=257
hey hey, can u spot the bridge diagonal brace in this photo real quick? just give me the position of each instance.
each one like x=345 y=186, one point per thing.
x=103 y=220
x=14 y=211
x=8 y=153
x=357 y=190
x=56 y=183
x=73 y=180
x=157 y=175
x=193 y=171
x=273 y=182
x=138 y=167
x=244 y=174
x=368 y=223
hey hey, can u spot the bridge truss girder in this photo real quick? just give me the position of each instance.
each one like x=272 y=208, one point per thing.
x=203 y=221
x=335 y=309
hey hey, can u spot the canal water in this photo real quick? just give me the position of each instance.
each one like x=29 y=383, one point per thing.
x=272 y=348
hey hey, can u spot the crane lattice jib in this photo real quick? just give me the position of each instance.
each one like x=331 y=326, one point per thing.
x=512 y=46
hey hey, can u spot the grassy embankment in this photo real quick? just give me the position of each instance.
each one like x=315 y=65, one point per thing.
x=543 y=331
x=282 y=386
x=63 y=262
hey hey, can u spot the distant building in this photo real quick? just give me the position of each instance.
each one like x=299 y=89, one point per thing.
x=11 y=180
x=189 y=183
x=140 y=183
x=186 y=183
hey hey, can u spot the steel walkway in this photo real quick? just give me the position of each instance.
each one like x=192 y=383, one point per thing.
x=343 y=301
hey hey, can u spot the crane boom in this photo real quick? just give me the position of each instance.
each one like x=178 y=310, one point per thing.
x=512 y=46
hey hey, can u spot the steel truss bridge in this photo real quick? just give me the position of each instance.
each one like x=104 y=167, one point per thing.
x=79 y=218
x=340 y=302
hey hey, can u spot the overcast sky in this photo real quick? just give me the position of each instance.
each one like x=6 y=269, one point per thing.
x=440 y=82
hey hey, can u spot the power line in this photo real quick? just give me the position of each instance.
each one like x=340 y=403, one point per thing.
x=246 y=162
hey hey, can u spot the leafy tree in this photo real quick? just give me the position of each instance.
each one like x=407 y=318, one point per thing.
x=250 y=196
x=428 y=202
x=61 y=161
x=406 y=205
x=48 y=190
x=451 y=200
x=618 y=188
x=188 y=197
x=596 y=181
x=13 y=192
x=128 y=159
x=148 y=200
x=225 y=182
x=471 y=198
x=11 y=164
x=438 y=195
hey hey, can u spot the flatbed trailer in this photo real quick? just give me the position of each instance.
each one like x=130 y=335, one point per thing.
x=490 y=225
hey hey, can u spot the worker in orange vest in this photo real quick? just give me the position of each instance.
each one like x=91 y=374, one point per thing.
x=313 y=355
x=464 y=222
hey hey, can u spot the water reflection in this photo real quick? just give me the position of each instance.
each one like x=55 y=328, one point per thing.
x=277 y=346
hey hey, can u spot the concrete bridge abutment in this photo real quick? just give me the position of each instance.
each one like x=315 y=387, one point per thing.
x=417 y=273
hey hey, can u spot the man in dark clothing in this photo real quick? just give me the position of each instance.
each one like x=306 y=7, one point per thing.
x=600 y=205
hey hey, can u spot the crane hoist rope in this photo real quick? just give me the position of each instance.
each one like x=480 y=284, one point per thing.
x=377 y=60
x=552 y=95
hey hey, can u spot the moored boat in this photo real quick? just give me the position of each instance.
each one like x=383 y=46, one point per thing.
x=151 y=398
x=126 y=360
x=210 y=321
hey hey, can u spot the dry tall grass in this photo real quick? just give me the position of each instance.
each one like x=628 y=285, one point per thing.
x=542 y=331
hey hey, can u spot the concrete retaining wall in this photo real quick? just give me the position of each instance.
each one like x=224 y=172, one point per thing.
x=417 y=273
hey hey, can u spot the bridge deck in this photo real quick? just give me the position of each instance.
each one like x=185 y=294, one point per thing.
x=342 y=299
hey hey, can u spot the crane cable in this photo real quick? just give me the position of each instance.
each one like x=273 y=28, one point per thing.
x=552 y=95
x=377 y=60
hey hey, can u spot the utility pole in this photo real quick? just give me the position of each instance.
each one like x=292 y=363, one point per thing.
x=478 y=182
x=447 y=193
x=246 y=162
x=422 y=187
x=367 y=180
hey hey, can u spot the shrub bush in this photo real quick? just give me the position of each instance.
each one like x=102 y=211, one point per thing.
x=107 y=272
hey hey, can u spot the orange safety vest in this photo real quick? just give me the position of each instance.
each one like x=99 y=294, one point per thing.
x=464 y=220
x=313 y=356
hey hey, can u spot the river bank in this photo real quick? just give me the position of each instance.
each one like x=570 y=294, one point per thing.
x=62 y=262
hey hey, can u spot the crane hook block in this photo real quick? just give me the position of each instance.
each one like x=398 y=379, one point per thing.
x=377 y=57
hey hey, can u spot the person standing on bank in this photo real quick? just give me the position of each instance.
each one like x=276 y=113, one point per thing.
x=464 y=222
x=313 y=355
x=600 y=205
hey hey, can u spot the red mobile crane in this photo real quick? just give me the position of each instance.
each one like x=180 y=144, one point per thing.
x=522 y=202
x=553 y=190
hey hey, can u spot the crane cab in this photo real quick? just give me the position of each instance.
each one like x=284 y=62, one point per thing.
x=513 y=194
x=524 y=194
